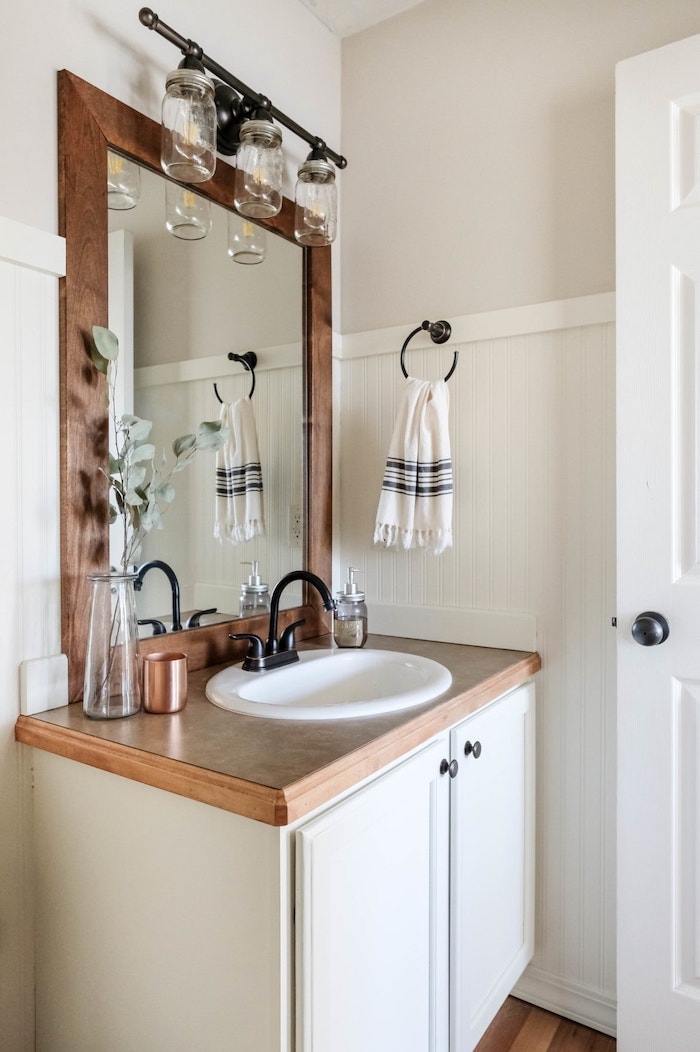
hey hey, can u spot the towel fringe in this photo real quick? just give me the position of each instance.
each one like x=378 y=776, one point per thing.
x=434 y=541
x=239 y=532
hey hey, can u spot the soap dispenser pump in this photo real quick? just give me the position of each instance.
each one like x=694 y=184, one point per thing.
x=350 y=617
x=255 y=596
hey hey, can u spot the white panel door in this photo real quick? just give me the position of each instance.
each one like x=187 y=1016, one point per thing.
x=493 y=856
x=372 y=915
x=658 y=389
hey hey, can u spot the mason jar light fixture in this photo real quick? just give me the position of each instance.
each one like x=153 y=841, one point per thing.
x=316 y=212
x=187 y=214
x=123 y=182
x=259 y=163
x=188 y=135
x=201 y=117
x=247 y=242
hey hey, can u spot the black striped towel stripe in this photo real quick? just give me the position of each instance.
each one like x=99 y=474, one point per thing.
x=234 y=482
x=416 y=478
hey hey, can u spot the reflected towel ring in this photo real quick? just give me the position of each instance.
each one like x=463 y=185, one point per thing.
x=440 y=332
x=249 y=360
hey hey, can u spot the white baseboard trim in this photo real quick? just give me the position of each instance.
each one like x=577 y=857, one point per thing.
x=478 y=628
x=567 y=999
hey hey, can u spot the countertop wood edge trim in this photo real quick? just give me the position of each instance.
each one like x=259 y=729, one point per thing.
x=276 y=807
x=196 y=783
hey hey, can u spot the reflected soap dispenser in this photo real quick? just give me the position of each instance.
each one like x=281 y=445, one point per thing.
x=350 y=617
x=255 y=596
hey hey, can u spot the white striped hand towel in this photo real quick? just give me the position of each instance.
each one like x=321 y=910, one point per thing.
x=415 y=505
x=239 y=492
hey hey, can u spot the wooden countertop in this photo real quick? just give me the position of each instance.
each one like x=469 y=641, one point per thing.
x=274 y=771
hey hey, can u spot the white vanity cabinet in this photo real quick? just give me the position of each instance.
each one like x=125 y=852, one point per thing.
x=372 y=915
x=396 y=918
x=492 y=822
x=415 y=896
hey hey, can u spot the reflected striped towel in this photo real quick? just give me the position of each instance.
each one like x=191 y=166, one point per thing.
x=239 y=491
x=415 y=505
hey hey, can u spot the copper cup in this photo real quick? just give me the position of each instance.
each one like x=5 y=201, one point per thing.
x=164 y=682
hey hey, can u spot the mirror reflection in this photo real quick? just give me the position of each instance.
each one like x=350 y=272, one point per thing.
x=190 y=284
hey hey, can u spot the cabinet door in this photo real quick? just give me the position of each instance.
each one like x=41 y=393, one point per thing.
x=492 y=879
x=372 y=915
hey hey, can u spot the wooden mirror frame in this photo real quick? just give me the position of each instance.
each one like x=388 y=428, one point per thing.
x=89 y=123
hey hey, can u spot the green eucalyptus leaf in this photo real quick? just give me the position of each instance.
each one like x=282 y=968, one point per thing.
x=184 y=444
x=139 y=430
x=106 y=342
x=209 y=425
x=104 y=348
x=113 y=514
x=135 y=477
x=133 y=498
x=151 y=519
x=100 y=363
x=165 y=492
x=146 y=451
x=211 y=440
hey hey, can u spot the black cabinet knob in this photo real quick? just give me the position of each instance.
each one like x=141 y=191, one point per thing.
x=473 y=749
x=449 y=767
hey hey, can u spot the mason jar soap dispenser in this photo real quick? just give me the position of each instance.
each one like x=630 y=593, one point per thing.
x=255 y=596
x=350 y=617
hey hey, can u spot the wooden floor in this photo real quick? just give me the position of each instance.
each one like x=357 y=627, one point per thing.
x=521 y=1027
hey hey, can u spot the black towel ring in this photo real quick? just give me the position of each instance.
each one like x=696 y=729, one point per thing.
x=440 y=332
x=249 y=360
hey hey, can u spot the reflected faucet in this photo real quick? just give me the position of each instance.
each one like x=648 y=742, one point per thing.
x=158 y=564
x=282 y=651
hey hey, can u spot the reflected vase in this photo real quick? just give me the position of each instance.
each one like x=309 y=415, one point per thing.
x=112 y=687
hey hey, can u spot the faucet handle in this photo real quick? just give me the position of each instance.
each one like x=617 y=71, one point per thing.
x=287 y=640
x=158 y=626
x=195 y=619
x=255 y=648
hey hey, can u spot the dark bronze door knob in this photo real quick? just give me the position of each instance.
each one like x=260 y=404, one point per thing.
x=650 y=629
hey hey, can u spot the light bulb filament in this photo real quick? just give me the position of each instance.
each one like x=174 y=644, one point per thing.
x=190 y=133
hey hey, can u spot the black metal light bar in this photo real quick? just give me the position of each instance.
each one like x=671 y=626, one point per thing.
x=191 y=49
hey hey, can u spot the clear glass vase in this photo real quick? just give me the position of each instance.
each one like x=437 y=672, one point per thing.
x=112 y=686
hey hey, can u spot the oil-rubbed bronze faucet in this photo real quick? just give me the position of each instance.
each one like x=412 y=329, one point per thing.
x=275 y=652
x=158 y=564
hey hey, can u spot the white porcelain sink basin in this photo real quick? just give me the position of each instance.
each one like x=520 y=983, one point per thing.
x=331 y=685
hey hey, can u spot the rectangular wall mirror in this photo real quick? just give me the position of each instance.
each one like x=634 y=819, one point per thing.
x=180 y=349
x=180 y=306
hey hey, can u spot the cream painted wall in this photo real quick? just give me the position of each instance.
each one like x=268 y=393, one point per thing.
x=481 y=190
x=277 y=46
x=480 y=139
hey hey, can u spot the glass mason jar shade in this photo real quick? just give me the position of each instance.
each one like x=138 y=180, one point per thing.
x=247 y=243
x=112 y=687
x=258 y=187
x=187 y=214
x=188 y=132
x=316 y=212
x=123 y=182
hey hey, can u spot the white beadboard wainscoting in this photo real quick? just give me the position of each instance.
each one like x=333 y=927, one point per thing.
x=212 y=573
x=30 y=264
x=533 y=439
